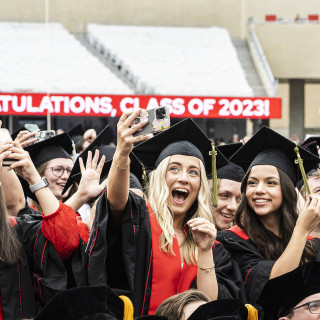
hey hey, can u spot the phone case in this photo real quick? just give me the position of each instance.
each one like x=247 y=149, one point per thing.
x=159 y=120
x=5 y=135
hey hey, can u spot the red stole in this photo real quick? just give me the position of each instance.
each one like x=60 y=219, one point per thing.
x=167 y=277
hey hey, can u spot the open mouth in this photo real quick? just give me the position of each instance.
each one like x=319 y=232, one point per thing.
x=180 y=194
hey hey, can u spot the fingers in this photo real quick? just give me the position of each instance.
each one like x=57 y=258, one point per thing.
x=89 y=160
x=101 y=164
x=201 y=224
x=82 y=168
x=95 y=160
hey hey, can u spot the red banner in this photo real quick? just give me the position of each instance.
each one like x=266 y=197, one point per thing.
x=115 y=105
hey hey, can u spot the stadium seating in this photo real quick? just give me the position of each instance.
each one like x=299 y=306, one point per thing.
x=38 y=57
x=173 y=60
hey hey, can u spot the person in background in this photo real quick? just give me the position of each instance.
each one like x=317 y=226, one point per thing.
x=182 y=305
x=229 y=193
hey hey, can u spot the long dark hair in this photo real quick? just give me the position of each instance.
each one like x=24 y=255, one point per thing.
x=9 y=242
x=270 y=245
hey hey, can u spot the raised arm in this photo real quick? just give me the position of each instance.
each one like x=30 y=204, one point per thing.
x=12 y=190
x=118 y=179
x=89 y=186
x=26 y=169
x=309 y=218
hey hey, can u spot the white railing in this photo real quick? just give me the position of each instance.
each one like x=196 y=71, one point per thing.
x=269 y=82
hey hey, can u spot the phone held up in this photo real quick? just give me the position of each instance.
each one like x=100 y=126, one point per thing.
x=5 y=136
x=159 y=120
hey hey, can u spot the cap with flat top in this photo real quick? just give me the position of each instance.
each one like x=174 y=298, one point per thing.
x=184 y=138
x=59 y=146
x=232 y=309
x=231 y=171
x=267 y=147
x=100 y=142
x=283 y=293
x=82 y=302
x=311 y=139
x=76 y=133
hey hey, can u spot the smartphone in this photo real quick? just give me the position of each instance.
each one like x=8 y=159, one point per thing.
x=44 y=135
x=159 y=120
x=4 y=137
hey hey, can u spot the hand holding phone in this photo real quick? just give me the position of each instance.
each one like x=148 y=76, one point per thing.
x=158 y=120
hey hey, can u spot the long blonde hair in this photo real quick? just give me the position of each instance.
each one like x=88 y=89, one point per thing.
x=158 y=193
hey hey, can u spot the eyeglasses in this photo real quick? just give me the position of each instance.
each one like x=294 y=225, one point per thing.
x=59 y=171
x=313 y=306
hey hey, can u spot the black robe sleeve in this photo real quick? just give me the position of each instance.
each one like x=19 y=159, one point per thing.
x=48 y=271
x=255 y=269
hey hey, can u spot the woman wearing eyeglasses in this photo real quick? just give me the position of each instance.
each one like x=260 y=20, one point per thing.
x=52 y=158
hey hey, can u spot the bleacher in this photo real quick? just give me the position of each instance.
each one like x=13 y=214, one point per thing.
x=173 y=60
x=38 y=57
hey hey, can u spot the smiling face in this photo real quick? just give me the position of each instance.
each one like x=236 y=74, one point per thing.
x=183 y=180
x=263 y=191
x=229 y=196
x=56 y=184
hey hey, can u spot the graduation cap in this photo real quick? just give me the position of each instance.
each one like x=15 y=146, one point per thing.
x=267 y=147
x=76 y=133
x=232 y=309
x=184 y=138
x=82 y=302
x=98 y=143
x=59 y=146
x=229 y=149
x=283 y=293
x=312 y=147
x=231 y=171
x=15 y=134
x=311 y=139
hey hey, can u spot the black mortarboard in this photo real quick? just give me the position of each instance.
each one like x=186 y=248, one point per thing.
x=310 y=140
x=84 y=301
x=312 y=147
x=267 y=147
x=184 y=138
x=231 y=171
x=59 y=146
x=15 y=134
x=229 y=149
x=283 y=293
x=221 y=309
x=76 y=133
x=98 y=143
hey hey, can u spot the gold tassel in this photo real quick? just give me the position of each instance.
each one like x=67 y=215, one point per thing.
x=144 y=175
x=213 y=155
x=127 y=309
x=252 y=312
x=299 y=161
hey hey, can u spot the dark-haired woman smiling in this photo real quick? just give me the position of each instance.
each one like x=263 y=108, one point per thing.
x=270 y=238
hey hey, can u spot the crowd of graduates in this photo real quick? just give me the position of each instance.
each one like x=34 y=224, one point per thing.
x=165 y=226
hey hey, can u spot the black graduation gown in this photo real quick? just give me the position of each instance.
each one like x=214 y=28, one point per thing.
x=127 y=263
x=38 y=275
x=255 y=269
